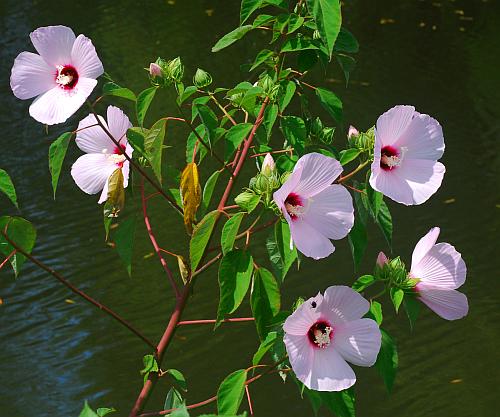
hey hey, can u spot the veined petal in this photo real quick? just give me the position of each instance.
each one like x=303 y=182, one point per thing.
x=391 y=185
x=449 y=304
x=31 y=76
x=442 y=266
x=309 y=240
x=342 y=304
x=104 y=194
x=57 y=105
x=317 y=172
x=126 y=173
x=93 y=139
x=118 y=123
x=424 y=245
x=85 y=59
x=358 y=341
x=54 y=44
x=282 y=193
x=301 y=320
x=424 y=177
x=331 y=212
x=91 y=172
x=330 y=372
x=423 y=139
x=393 y=123
x=300 y=353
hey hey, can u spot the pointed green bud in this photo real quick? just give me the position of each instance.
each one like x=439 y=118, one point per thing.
x=202 y=78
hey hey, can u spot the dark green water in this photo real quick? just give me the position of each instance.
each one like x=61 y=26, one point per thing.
x=441 y=56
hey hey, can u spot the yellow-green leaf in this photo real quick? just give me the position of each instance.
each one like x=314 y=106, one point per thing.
x=190 y=193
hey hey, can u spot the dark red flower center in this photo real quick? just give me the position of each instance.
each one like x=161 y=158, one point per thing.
x=294 y=205
x=320 y=334
x=120 y=152
x=390 y=158
x=66 y=77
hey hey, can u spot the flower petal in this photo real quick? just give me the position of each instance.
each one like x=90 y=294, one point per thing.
x=358 y=341
x=342 y=304
x=393 y=123
x=301 y=320
x=91 y=172
x=118 y=123
x=423 y=139
x=54 y=44
x=309 y=240
x=449 y=304
x=57 y=104
x=317 y=172
x=424 y=177
x=441 y=267
x=31 y=76
x=382 y=259
x=282 y=193
x=85 y=59
x=92 y=139
x=300 y=353
x=424 y=245
x=330 y=372
x=331 y=212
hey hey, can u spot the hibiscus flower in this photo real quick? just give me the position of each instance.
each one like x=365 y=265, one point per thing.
x=316 y=210
x=407 y=147
x=325 y=332
x=92 y=171
x=61 y=76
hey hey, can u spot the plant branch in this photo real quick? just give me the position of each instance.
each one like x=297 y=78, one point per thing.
x=353 y=172
x=7 y=258
x=233 y=320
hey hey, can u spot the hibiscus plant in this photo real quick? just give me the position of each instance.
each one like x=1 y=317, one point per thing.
x=303 y=191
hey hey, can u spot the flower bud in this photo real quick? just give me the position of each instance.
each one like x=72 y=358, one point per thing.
x=261 y=184
x=202 y=78
x=155 y=70
x=382 y=259
x=176 y=69
x=268 y=165
x=352 y=132
x=267 y=84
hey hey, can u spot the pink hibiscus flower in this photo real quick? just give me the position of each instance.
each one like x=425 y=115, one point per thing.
x=407 y=147
x=440 y=270
x=61 y=77
x=325 y=332
x=92 y=171
x=316 y=210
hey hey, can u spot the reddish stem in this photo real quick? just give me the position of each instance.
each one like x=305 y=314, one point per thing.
x=249 y=400
x=272 y=152
x=7 y=258
x=155 y=243
x=234 y=320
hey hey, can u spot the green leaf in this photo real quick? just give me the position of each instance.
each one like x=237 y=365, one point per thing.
x=192 y=142
x=412 y=308
x=144 y=100
x=294 y=23
x=173 y=400
x=262 y=19
x=230 y=393
x=135 y=136
x=363 y=282
x=387 y=360
x=288 y=90
x=153 y=146
x=264 y=347
x=340 y=403
x=87 y=411
x=375 y=312
x=235 y=273
x=232 y=37
x=7 y=187
x=22 y=233
x=348 y=155
x=384 y=220
x=281 y=254
x=209 y=120
x=265 y=300
x=261 y=57
x=347 y=63
x=104 y=411
x=306 y=60
x=328 y=19
x=178 y=377
x=298 y=43
x=397 y=295
x=358 y=239
x=150 y=365
x=247 y=8
x=270 y=116
x=295 y=132
x=188 y=92
x=247 y=200
x=346 y=42
x=180 y=412
x=375 y=199
x=208 y=190
x=234 y=137
x=200 y=238
x=229 y=232
x=57 y=152
x=330 y=102
x=112 y=89
x=124 y=242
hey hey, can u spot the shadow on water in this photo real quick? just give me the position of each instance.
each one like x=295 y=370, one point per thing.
x=442 y=56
